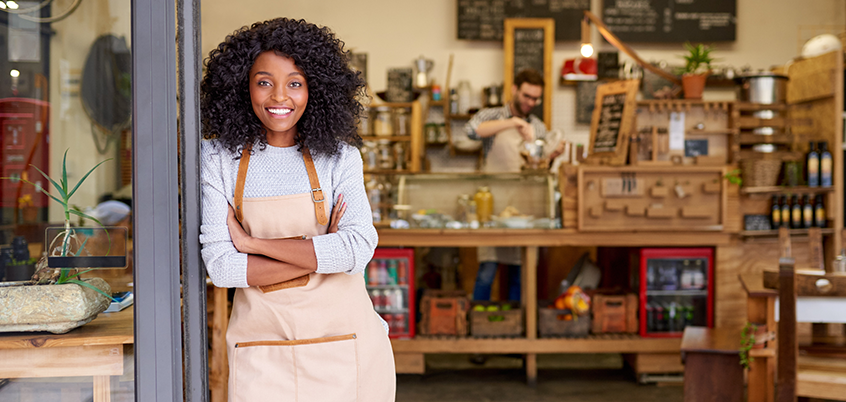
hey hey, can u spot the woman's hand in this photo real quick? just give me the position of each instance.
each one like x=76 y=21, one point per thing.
x=240 y=238
x=337 y=213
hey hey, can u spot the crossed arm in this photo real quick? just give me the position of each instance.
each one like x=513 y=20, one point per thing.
x=272 y=261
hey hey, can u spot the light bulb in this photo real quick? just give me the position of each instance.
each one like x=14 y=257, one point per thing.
x=15 y=73
x=12 y=4
x=586 y=50
x=2 y=5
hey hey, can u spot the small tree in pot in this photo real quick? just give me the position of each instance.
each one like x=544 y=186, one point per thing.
x=696 y=69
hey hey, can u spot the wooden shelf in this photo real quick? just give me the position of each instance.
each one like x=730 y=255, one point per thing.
x=748 y=139
x=442 y=102
x=460 y=116
x=781 y=155
x=386 y=137
x=725 y=131
x=774 y=233
x=604 y=343
x=386 y=171
x=785 y=189
x=437 y=144
x=392 y=104
x=682 y=104
x=755 y=107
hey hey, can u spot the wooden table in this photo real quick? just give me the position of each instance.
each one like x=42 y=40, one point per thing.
x=94 y=349
x=712 y=370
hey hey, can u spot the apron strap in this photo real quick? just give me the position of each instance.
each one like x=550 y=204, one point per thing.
x=317 y=195
x=242 y=179
x=316 y=192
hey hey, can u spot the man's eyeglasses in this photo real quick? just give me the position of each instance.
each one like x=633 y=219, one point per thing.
x=536 y=99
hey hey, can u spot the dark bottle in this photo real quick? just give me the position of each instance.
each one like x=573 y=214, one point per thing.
x=819 y=212
x=785 y=212
x=812 y=166
x=795 y=213
x=775 y=213
x=807 y=212
x=825 y=165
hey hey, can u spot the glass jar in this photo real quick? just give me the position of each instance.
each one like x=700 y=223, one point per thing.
x=484 y=204
x=382 y=122
x=386 y=158
x=364 y=122
x=400 y=121
x=369 y=156
x=399 y=155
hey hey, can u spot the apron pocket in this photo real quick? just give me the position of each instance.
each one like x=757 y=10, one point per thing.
x=307 y=370
x=293 y=283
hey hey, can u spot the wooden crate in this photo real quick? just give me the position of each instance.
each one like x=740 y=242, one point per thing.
x=614 y=313
x=552 y=323
x=496 y=323
x=444 y=313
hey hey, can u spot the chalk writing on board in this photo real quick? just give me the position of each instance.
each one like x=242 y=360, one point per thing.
x=610 y=118
x=483 y=19
x=671 y=20
x=529 y=53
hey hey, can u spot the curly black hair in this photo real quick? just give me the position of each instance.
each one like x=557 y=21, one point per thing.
x=334 y=89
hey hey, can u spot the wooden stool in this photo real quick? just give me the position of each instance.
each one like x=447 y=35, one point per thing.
x=712 y=370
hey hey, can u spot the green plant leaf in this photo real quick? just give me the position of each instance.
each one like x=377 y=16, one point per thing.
x=65 y=172
x=37 y=187
x=88 y=285
x=85 y=177
x=86 y=216
x=78 y=274
x=56 y=185
x=81 y=247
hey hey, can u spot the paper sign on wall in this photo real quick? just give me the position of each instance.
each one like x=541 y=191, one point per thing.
x=677 y=131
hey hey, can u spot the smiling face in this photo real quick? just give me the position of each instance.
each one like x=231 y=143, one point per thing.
x=279 y=95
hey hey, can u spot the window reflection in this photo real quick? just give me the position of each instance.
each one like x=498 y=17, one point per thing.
x=65 y=85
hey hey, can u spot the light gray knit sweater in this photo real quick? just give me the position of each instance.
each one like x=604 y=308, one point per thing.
x=278 y=171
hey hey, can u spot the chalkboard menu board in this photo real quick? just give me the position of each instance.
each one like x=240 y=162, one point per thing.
x=528 y=43
x=483 y=19
x=612 y=122
x=610 y=119
x=668 y=21
x=399 y=85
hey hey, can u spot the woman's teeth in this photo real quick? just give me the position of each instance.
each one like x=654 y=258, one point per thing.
x=279 y=112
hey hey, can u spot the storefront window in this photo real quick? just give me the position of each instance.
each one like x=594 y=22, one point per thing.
x=65 y=106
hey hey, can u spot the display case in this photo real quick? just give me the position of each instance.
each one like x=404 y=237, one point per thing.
x=390 y=284
x=676 y=290
x=457 y=201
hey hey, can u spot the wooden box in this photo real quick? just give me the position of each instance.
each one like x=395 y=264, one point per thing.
x=496 y=323
x=444 y=313
x=552 y=323
x=614 y=313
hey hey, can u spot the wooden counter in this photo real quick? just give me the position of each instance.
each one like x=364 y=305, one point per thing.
x=544 y=238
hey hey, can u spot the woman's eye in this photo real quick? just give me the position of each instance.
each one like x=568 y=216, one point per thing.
x=296 y=84
x=263 y=83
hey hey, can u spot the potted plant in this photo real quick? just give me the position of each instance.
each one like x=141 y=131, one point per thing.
x=55 y=299
x=696 y=69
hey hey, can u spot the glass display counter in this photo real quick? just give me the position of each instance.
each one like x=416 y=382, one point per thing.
x=475 y=201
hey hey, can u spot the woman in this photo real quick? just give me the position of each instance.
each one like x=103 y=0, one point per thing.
x=279 y=113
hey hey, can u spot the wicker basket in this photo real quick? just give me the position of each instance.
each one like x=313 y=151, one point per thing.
x=760 y=172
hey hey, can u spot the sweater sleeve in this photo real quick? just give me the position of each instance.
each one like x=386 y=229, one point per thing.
x=351 y=248
x=224 y=264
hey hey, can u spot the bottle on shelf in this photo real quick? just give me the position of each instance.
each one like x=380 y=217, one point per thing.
x=807 y=212
x=785 y=212
x=373 y=273
x=402 y=274
x=453 y=101
x=392 y=272
x=484 y=204
x=775 y=212
x=812 y=166
x=826 y=165
x=795 y=212
x=819 y=212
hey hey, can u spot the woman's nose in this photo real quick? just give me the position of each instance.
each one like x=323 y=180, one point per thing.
x=279 y=94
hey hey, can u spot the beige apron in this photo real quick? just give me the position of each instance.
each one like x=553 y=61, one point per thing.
x=503 y=157
x=311 y=339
